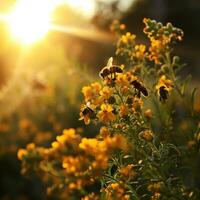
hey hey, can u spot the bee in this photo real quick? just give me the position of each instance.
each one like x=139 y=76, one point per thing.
x=87 y=110
x=110 y=70
x=104 y=72
x=87 y=113
x=140 y=88
x=163 y=93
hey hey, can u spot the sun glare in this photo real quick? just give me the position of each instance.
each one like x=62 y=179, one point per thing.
x=29 y=21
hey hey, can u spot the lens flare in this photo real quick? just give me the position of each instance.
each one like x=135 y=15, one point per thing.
x=29 y=21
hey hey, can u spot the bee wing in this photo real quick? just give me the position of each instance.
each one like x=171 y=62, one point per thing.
x=144 y=91
x=88 y=104
x=110 y=61
x=100 y=74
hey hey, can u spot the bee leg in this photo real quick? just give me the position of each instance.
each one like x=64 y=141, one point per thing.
x=139 y=94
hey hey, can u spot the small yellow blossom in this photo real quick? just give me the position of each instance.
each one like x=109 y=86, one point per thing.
x=127 y=171
x=122 y=80
x=140 y=52
x=137 y=104
x=104 y=132
x=163 y=81
x=75 y=164
x=146 y=135
x=123 y=110
x=127 y=38
x=21 y=153
x=154 y=187
x=156 y=196
x=106 y=113
x=116 y=191
x=91 y=92
x=30 y=146
x=91 y=196
x=105 y=93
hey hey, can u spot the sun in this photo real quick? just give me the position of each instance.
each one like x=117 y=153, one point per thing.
x=30 y=21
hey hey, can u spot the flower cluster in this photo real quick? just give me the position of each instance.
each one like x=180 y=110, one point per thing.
x=80 y=161
x=138 y=153
x=161 y=37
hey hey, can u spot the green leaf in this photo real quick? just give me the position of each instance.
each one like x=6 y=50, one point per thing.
x=192 y=100
x=185 y=83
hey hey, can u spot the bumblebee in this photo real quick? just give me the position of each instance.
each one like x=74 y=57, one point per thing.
x=110 y=70
x=104 y=72
x=87 y=111
x=140 y=88
x=115 y=69
x=163 y=93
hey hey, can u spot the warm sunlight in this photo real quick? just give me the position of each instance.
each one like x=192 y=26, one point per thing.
x=86 y=7
x=29 y=21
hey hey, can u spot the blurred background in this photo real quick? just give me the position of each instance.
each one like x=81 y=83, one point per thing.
x=49 y=49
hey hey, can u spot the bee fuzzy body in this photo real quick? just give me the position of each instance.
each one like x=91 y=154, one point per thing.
x=110 y=71
x=163 y=93
x=140 y=88
x=87 y=111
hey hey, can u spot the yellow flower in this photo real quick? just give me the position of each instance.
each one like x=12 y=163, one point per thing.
x=154 y=187
x=101 y=161
x=68 y=138
x=89 y=145
x=30 y=146
x=123 y=110
x=104 y=132
x=106 y=113
x=21 y=153
x=127 y=171
x=75 y=165
x=156 y=196
x=105 y=93
x=140 y=51
x=68 y=135
x=55 y=145
x=91 y=196
x=127 y=38
x=116 y=142
x=122 y=80
x=91 y=92
x=102 y=149
x=146 y=135
x=116 y=191
x=137 y=104
x=163 y=81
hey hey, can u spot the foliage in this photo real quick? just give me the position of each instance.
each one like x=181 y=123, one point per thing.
x=148 y=143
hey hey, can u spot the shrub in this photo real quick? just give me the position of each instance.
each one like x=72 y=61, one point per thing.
x=148 y=143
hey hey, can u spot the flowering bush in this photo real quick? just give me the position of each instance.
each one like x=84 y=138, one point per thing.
x=148 y=142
